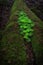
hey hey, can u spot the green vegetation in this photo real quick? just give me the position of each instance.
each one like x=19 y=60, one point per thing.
x=26 y=25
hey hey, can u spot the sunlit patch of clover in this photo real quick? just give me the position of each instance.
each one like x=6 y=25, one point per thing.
x=26 y=26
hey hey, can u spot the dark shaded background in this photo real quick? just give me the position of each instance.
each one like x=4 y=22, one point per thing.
x=36 y=6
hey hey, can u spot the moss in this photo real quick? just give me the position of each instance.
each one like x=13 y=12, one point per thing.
x=26 y=25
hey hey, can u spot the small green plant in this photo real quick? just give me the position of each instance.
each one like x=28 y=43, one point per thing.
x=26 y=25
